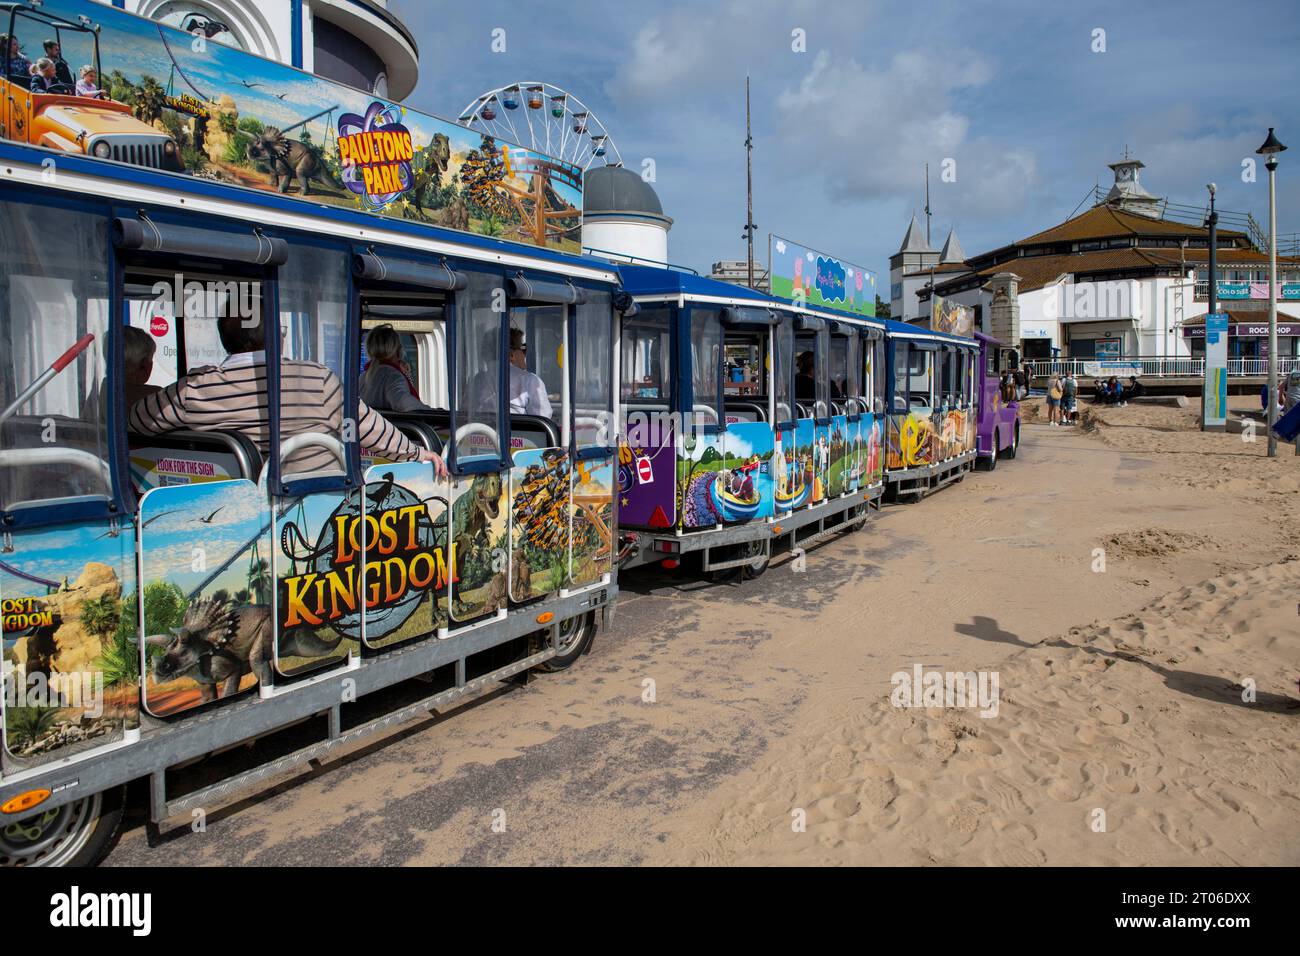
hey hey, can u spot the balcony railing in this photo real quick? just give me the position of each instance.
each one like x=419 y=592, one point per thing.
x=1159 y=367
x=1231 y=290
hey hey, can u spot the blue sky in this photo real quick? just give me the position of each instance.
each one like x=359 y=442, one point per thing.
x=1011 y=91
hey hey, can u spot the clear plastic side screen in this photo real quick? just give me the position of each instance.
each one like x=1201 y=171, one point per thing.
x=53 y=293
x=593 y=388
x=314 y=295
x=480 y=312
x=706 y=365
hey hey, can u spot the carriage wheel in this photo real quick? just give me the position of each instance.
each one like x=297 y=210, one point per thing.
x=573 y=640
x=76 y=834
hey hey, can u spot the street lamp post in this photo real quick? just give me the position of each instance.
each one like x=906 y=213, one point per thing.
x=1213 y=307
x=1272 y=146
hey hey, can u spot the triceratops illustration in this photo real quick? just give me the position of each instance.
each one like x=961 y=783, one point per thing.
x=218 y=643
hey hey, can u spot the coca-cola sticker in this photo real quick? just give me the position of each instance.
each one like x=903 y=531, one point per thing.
x=158 y=326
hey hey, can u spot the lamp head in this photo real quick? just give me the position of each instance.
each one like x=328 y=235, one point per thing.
x=1271 y=145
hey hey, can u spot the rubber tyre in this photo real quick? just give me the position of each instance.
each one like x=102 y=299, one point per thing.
x=573 y=644
x=991 y=462
x=91 y=826
x=1015 y=445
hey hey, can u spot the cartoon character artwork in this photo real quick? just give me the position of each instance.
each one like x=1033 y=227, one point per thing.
x=910 y=441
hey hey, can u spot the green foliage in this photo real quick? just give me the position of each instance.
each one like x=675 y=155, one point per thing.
x=101 y=616
x=150 y=99
x=236 y=151
x=195 y=159
x=164 y=609
x=228 y=123
x=558 y=576
x=26 y=724
x=491 y=226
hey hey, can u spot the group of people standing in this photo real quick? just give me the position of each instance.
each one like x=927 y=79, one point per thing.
x=1062 y=391
x=50 y=73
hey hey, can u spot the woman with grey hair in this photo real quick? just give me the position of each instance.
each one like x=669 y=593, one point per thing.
x=386 y=383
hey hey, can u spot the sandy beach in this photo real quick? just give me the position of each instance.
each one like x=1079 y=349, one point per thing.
x=1131 y=583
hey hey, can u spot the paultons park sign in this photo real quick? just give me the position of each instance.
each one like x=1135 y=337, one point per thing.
x=183 y=104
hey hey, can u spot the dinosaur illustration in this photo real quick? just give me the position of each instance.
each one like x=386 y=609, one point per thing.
x=429 y=174
x=219 y=642
x=472 y=515
x=289 y=160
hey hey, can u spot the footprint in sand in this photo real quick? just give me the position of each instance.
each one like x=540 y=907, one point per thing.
x=1109 y=714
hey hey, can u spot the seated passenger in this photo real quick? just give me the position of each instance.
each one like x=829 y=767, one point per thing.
x=527 y=391
x=54 y=51
x=386 y=383
x=138 y=348
x=16 y=65
x=88 y=84
x=44 y=78
x=231 y=397
x=805 y=386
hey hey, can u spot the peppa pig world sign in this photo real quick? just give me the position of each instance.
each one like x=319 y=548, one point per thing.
x=813 y=277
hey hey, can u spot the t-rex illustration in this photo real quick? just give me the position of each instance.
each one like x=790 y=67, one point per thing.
x=219 y=642
x=472 y=514
x=429 y=175
x=290 y=160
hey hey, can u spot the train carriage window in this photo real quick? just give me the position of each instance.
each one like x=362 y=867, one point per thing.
x=812 y=372
x=899 y=400
x=314 y=295
x=877 y=375
x=839 y=366
x=920 y=377
x=539 y=329
x=478 y=400
x=417 y=320
x=706 y=365
x=783 y=373
x=646 y=362
x=593 y=368
x=54 y=291
x=947 y=370
x=853 y=372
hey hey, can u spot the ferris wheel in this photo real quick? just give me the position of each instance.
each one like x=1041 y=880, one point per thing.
x=544 y=118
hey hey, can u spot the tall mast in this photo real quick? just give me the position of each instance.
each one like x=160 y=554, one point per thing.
x=749 y=187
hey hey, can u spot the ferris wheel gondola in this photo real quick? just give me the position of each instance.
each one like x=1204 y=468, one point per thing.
x=555 y=123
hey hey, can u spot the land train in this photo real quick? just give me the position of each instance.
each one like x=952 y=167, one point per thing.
x=171 y=594
x=206 y=538
x=751 y=422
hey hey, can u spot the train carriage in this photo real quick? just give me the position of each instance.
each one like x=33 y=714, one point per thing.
x=748 y=420
x=933 y=408
x=153 y=576
x=999 y=408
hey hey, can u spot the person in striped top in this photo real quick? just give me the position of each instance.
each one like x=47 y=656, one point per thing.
x=233 y=397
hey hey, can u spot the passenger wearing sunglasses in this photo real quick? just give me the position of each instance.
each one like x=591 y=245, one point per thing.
x=527 y=391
